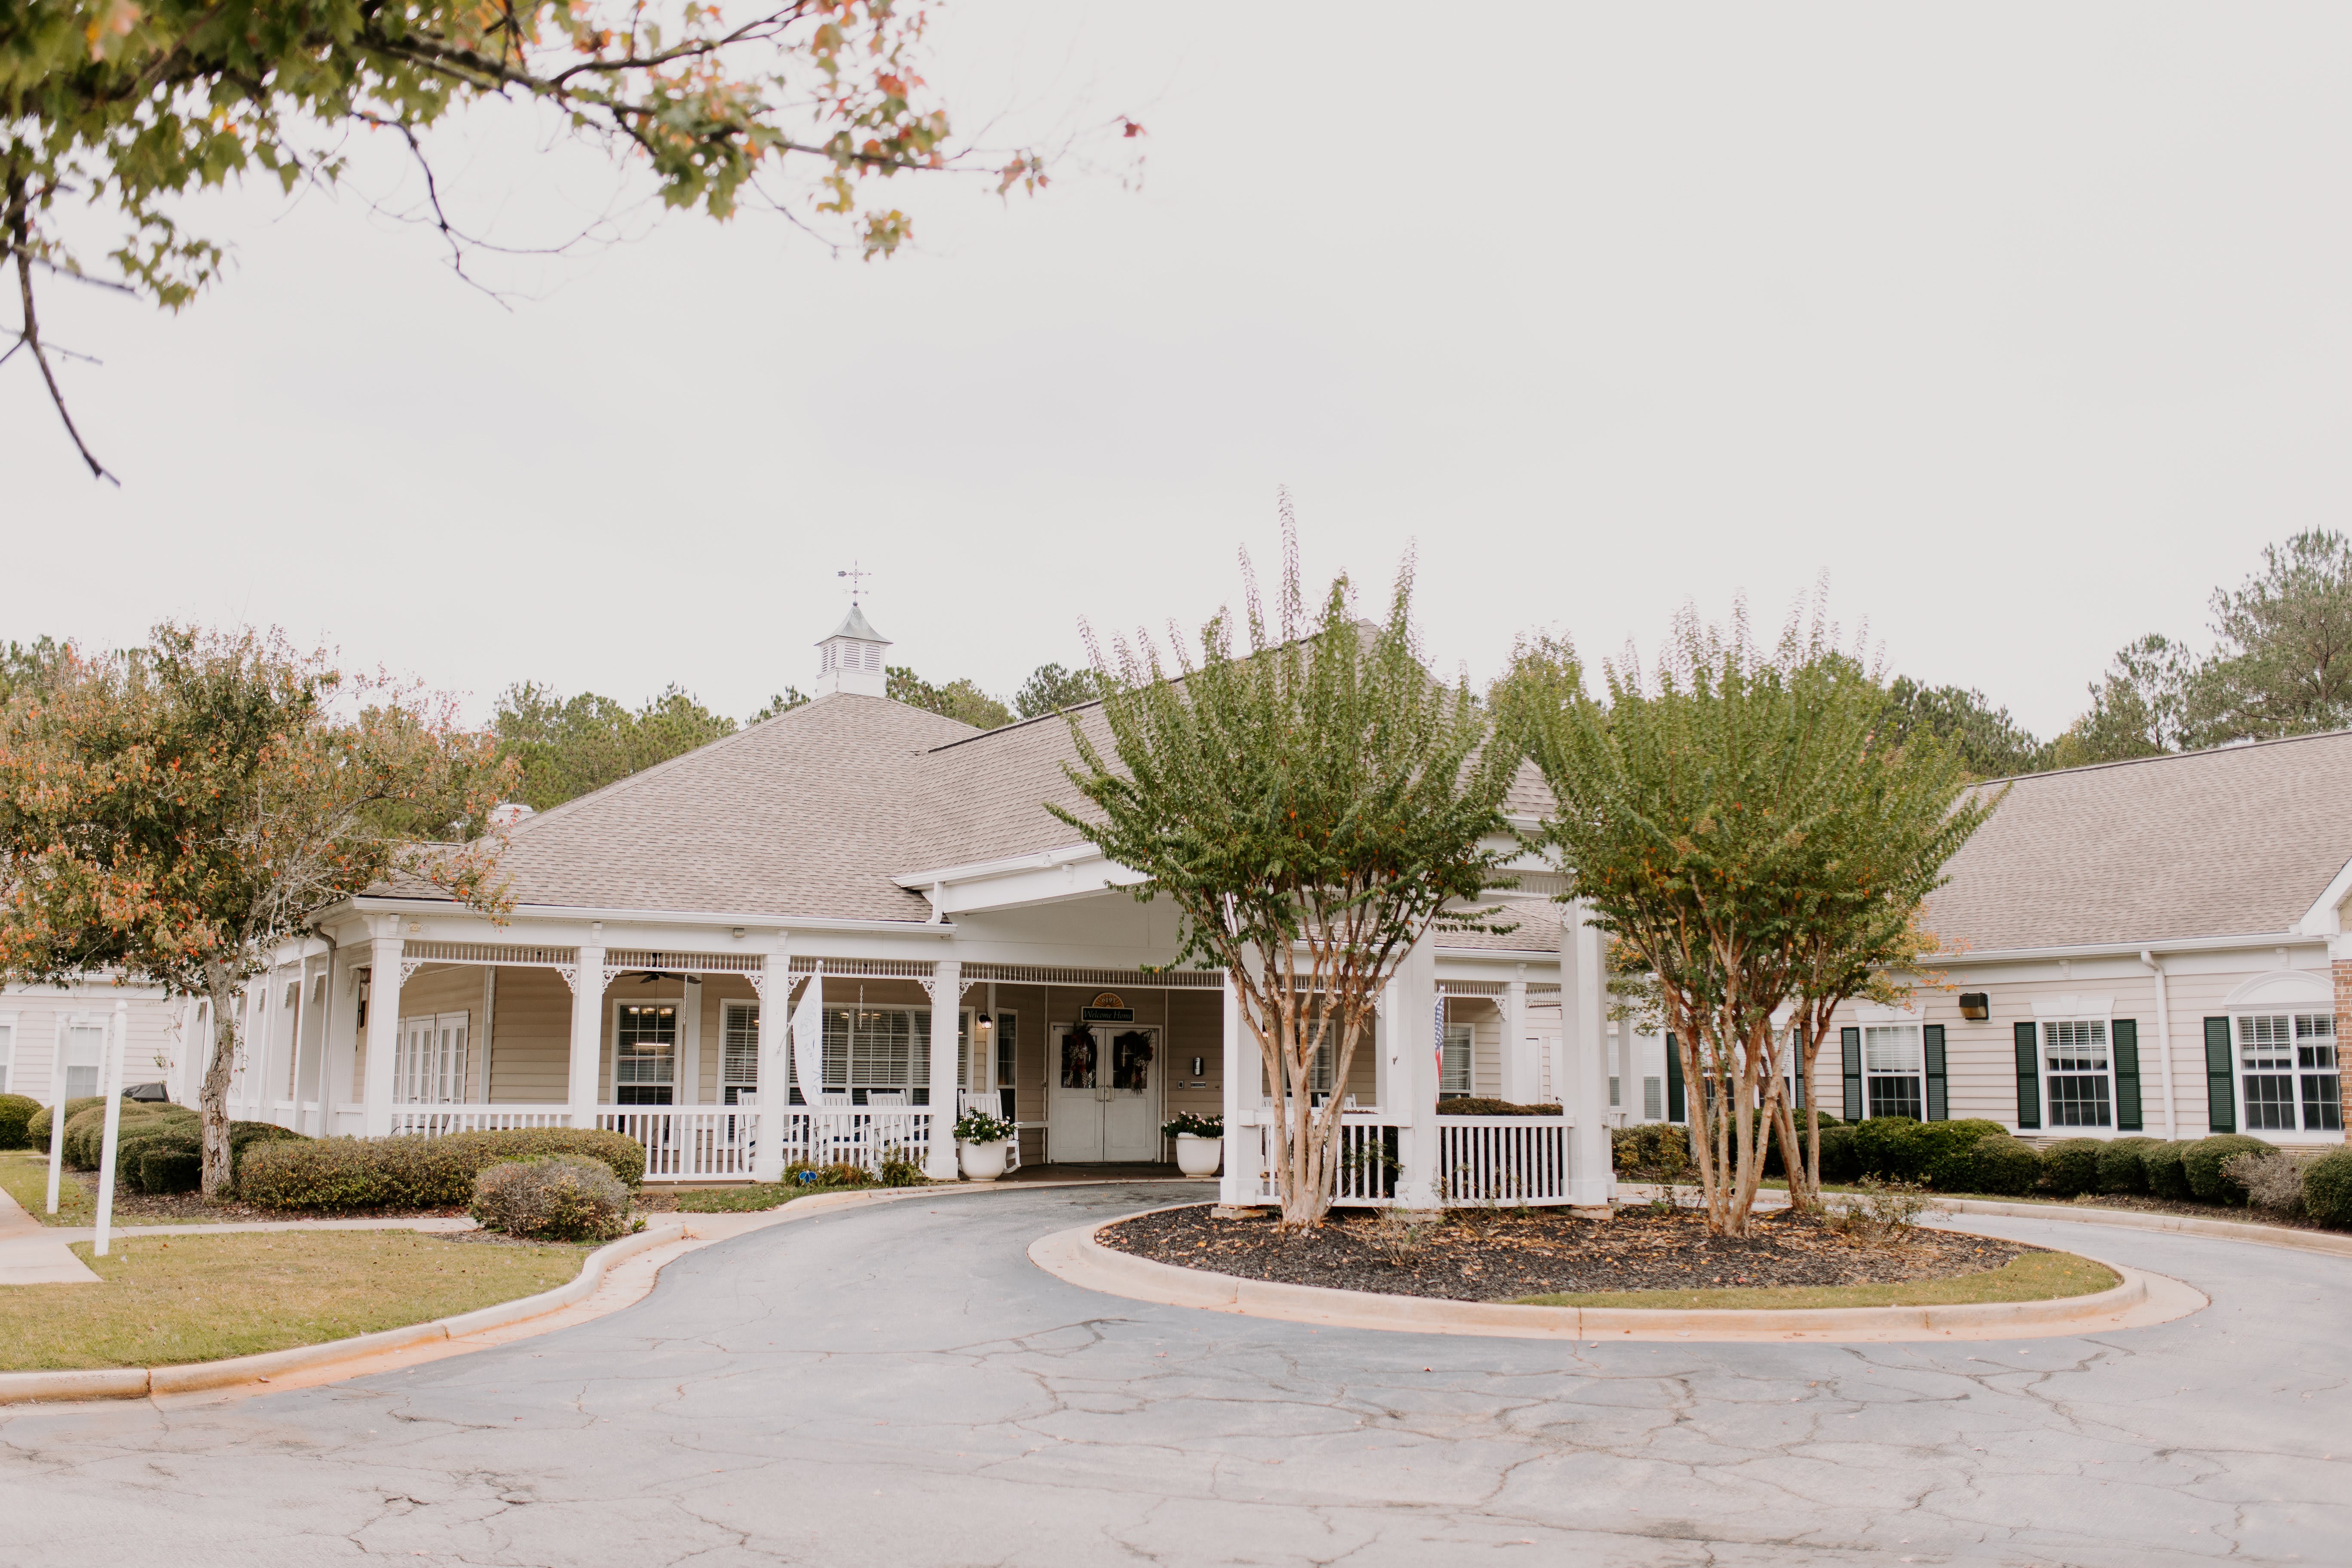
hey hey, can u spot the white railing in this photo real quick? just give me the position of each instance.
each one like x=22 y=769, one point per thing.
x=1507 y=1159
x=1365 y=1174
x=438 y=1120
x=688 y=1143
x=831 y=1135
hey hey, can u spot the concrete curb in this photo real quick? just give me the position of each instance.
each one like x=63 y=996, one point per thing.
x=2320 y=1241
x=137 y=1383
x=1075 y=1256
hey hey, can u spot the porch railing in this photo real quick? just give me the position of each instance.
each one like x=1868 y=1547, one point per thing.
x=1500 y=1160
x=439 y=1121
x=688 y=1143
x=706 y=1143
x=856 y=1136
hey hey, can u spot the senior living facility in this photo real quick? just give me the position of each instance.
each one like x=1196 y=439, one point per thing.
x=825 y=936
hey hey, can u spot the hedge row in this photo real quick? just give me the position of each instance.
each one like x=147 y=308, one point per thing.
x=415 y=1172
x=17 y=1113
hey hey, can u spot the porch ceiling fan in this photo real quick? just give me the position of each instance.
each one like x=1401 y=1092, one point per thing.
x=648 y=976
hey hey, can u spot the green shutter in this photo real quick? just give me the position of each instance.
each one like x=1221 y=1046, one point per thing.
x=2220 y=1094
x=1939 y=1107
x=1850 y=1048
x=2028 y=1076
x=2127 y=1039
x=1673 y=1080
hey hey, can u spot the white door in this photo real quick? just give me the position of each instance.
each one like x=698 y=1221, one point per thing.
x=1102 y=1104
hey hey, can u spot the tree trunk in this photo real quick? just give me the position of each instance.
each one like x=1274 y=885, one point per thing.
x=213 y=1098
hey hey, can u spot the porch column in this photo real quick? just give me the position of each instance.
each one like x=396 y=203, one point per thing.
x=1420 y=1036
x=382 y=1030
x=587 y=1028
x=1583 y=1038
x=774 y=1075
x=946 y=988
x=1245 y=1142
x=1518 y=1063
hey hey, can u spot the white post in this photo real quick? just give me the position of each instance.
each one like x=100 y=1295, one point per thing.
x=1244 y=1141
x=56 y=1111
x=947 y=998
x=1518 y=1065
x=383 y=1034
x=1420 y=1037
x=118 y=1046
x=587 y=1068
x=1583 y=1028
x=774 y=1075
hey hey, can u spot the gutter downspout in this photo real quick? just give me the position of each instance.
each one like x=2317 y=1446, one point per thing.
x=2164 y=1033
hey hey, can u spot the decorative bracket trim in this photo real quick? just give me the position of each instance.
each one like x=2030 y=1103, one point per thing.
x=571 y=973
x=409 y=966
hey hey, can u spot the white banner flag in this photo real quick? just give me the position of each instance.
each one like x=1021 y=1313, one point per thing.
x=808 y=1041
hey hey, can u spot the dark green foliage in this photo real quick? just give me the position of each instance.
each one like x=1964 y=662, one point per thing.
x=903 y=1173
x=1988 y=741
x=37 y=1127
x=1652 y=1152
x=1469 y=1105
x=2167 y=1176
x=17 y=1113
x=959 y=700
x=1050 y=688
x=2071 y=1167
x=1892 y=1148
x=2327 y=1189
x=2202 y=1160
x=415 y=1172
x=1840 y=1158
x=165 y=1168
x=1947 y=1153
x=2123 y=1167
x=552 y=1197
x=2002 y=1165
x=567 y=747
x=86 y=1130
x=1772 y=1162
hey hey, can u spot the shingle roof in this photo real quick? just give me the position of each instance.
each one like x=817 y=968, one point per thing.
x=2233 y=842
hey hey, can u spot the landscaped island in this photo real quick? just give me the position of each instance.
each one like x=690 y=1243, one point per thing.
x=1642 y=1257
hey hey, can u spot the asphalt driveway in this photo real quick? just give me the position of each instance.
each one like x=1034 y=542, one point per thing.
x=899 y=1385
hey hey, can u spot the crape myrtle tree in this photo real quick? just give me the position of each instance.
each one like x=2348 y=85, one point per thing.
x=1313 y=807
x=1749 y=830
x=112 y=110
x=172 y=813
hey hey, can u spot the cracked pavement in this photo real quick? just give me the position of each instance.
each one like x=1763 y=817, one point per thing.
x=898 y=1385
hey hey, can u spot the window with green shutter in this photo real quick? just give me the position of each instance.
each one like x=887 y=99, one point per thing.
x=1939 y=1102
x=2220 y=1095
x=1850 y=1059
x=2028 y=1075
x=2125 y=1034
x=1675 y=1103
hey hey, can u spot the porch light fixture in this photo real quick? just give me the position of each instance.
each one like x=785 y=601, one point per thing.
x=987 y=1026
x=1976 y=1007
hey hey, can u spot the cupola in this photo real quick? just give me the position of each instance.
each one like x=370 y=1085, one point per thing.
x=851 y=658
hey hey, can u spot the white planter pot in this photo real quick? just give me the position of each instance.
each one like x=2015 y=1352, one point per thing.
x=984 y=1162
x=1199 y=1156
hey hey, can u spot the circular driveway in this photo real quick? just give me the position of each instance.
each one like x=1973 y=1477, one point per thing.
x=898 y=1385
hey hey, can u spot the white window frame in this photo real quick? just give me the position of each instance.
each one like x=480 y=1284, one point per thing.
x=1917 y=1071
x=444 y=1073
x=678 y=1007
x=67 y=1025
x=1459 y=1040
x=2047 y=1028
x=9 y=1032
x=732 y=1085
x=840 y=1069
x=2332 y=1117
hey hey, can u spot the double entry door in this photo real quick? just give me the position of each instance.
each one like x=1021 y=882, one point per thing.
x=1102 y=1094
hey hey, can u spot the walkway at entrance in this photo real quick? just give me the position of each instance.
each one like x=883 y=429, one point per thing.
x=899 y=1385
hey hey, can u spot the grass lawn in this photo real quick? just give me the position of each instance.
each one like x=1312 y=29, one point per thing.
x=25 y=1174
x=165 y=1299
x=2035 y=1277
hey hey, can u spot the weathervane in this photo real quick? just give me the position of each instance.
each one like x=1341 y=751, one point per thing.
x=856 y=576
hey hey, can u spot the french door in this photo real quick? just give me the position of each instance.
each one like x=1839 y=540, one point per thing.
x=1103 y=1094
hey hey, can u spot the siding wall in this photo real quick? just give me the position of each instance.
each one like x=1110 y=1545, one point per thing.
x=530 y=1039
x=156 y=1033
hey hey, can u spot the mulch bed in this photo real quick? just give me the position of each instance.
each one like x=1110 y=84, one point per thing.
x=1474 y=1256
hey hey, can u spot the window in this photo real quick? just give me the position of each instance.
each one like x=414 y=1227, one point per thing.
x=739 y=1072
x=1007 y=1044
x=429 y=1060
x=2077 y=1066
x=7 y=1053
x=1893 y=1071
x=293 y=1037
x=644 y=1053
x=1654 y=1099
x=878 y=1047
x=2288 y=1069
x=85 y=1049
x=1453 y=1070
x=1613 y=1101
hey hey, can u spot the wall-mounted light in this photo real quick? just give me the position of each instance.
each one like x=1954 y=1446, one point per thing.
x=1200 y=1066
x=987 y=1026
x=1976 y=1007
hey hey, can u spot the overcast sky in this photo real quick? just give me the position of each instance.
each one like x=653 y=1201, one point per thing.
x=2026 y=324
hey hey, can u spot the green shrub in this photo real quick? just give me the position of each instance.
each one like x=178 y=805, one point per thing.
x=37 y=1126
x=903 y=1173
x=2071 y=1167
x=415 y=1172
x=1892 y=1148
x=86 y=1130
x=165 y=1168
x=17 y=1112
x=1469 y=1105
x=1841 y=1160
x=2122 y=1165
x=552 y=1197
x=2167 y=1177
x=2202 y=1160
x=2327 y=1189
x=2002 y=1165
x=1947 y=1153
x=1652 y=1150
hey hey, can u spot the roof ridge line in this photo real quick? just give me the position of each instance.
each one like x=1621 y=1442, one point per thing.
x=2168 y=756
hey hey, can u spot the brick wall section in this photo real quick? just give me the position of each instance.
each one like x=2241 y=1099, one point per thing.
x=2343 y=968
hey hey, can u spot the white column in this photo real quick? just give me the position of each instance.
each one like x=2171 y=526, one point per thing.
x=1245 y=1140
x=587 y=1065
x=775 y=1072
x=383 y=1032
x=1518 y=1063
x=118 y=1046
x=1583 y=1031
x=947 y=996
x=1414 y=1077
